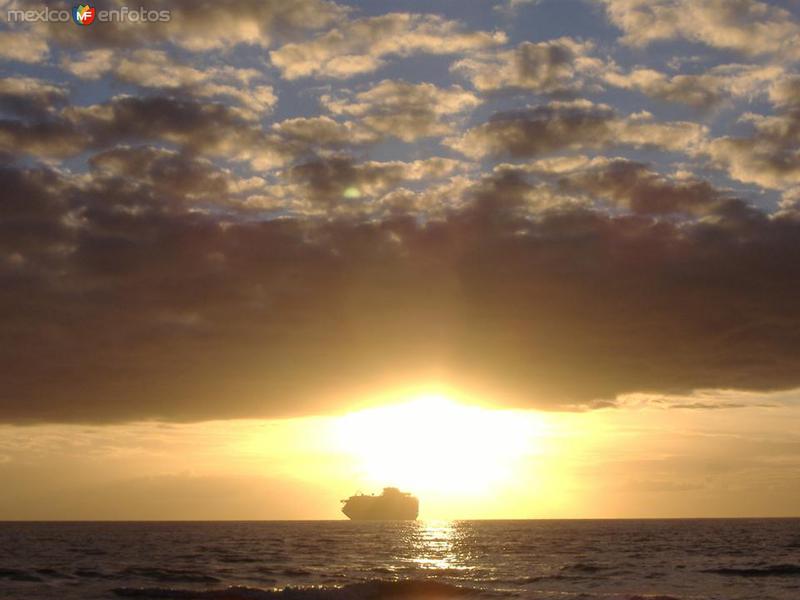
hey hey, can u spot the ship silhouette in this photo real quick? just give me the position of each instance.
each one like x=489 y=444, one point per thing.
x=391 y=505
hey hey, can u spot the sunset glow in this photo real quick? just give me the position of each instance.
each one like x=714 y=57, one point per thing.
x=433 y=444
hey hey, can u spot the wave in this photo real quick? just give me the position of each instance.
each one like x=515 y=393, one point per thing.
x=18 y=575
x=785 y=570
x=371 y=590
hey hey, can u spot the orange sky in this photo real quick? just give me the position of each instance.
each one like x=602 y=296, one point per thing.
x=464 y=461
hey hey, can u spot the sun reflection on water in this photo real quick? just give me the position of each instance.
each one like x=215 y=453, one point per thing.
x=435 y=545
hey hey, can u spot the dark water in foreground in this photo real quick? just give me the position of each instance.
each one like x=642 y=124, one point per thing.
x=565 y=560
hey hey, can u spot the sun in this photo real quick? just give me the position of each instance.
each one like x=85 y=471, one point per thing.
x=433 y=445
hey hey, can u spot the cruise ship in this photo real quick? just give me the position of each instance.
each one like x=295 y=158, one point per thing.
x=391 y=505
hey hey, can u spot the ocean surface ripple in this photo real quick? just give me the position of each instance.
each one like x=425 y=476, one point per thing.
x=719 y=559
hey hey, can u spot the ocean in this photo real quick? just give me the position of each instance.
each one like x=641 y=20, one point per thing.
x=737 y=559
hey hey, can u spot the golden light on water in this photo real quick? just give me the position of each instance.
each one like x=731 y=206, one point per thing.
x=434 y=445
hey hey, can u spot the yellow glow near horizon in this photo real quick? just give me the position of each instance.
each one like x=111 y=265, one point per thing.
x=463 y=461
x=433 y=445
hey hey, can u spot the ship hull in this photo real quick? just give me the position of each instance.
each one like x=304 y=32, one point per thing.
x=377 y=508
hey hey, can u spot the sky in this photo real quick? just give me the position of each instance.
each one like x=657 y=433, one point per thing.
x=524 y=258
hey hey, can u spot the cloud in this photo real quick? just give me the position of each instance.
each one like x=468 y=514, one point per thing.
x=202 y=27
x=210 y=129
x=171 y=175
x=510 y=7
x=433 y=202
x=785 y=92
x=150 y=68
x=154 y=68
x=769 y=157
x=545 y=67
x=193 y=259
x=91 y=64
x=343 y=185
x=710 y=400
x=105 y=281
x=749 y=27
x=636 y=187
x=333 y=186
x=230 y=22
x=32 y=122
x=23 y=46
x=34 y=221
x=361 y=45
x=29 y=97
x=575 y=183
x=716 y=86
x=196 y=126
x=790 y=201
x=572 y=125
x=401 y=109
x=46 y=139
x=312 y=136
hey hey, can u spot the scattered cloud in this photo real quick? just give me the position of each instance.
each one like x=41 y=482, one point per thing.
x=23 y=46
x=769 y=157
x=155 y=69
x=361 y=46
x=544 y=67
x=90 y=64
x=712 y=88
x=404 y=110
x=749 y=27
x=202 y=27
x=344 y=185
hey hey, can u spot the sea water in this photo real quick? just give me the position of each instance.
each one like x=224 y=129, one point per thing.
x=756 y=559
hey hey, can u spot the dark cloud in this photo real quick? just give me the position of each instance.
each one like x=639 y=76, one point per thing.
x=29 y=97
x=41 y=138
x=167 y=173
x=208 y=128
x=634 y=186
x=118 y=305
x=203 y=128
x=577 y=124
